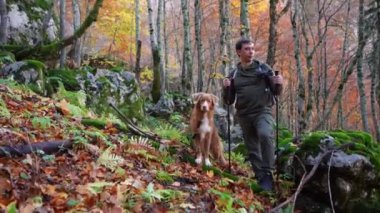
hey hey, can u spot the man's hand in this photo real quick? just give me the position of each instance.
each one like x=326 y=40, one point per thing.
x=277 y=79
x=226 y=82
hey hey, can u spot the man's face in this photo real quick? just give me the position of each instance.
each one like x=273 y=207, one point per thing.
x=246 y=53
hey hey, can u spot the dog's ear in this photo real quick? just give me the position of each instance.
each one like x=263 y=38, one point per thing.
x=215 y=99
x=196 y=97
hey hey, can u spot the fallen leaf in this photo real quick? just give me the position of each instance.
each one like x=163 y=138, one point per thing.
x=210 y=174
x=177 y=184
x=64 y=107
x=187 y=206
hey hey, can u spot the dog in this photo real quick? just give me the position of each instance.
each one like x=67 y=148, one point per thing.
x=206 y=137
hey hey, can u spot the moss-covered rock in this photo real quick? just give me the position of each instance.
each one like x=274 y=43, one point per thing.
x=120 y=89
x=364 y=144
x=354 y=173
x=26 y=21
x=27 y=72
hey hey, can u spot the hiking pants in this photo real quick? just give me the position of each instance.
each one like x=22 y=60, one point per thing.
x=258 y=138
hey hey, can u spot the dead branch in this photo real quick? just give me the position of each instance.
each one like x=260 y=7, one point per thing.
x=48 y=147
x=136 y=130
x=307 y=178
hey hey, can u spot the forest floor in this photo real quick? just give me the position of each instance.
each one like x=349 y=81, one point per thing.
x=105 y=170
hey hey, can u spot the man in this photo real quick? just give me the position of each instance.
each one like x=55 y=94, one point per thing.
x=254 y=87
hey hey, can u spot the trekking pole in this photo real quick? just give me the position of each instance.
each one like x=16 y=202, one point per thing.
x=277 y=135
x=228 y=129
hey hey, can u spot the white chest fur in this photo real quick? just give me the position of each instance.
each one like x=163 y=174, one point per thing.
x=205 y=125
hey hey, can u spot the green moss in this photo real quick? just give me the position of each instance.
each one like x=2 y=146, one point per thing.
x=312 y=140
x=361 y=137
x=4 y=112
x=6 y=57
x=75 y=98
x=67 y=77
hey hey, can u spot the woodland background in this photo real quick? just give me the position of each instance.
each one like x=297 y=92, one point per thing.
x=78 y=58
x=328 y=51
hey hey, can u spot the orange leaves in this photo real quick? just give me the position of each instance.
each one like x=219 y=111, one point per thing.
x=63 y=105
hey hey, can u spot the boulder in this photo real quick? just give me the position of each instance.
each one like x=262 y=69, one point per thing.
x=25 y=23
x=348 y=177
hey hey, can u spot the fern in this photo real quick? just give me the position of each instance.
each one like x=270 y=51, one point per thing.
x=170 y=194
x=164 y=177
x=167 y=131
x=150 y=195
x=140 y=142
x=97 y=187
x=110 y=160
x=41 y=122
x=226 y=201
x=238 y=157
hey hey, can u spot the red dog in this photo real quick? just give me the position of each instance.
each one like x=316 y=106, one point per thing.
x=203 y=127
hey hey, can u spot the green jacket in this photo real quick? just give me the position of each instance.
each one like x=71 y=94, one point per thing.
x=250 y=88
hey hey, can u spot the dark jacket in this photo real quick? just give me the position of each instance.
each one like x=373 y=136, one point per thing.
x=250 y=88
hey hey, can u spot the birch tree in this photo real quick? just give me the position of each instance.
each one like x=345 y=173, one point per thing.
x=359 y=68
x=224 y=23
x=301 y=95
x=159 y=44
x=156 y=87
x=273 y=34
x=166 y=47
x=62 y=16
x=137 y=40
x=340 y=67
x=199 y=44
x=245 y=31
x=3 y=22
x=187 y=65
x=76 y=23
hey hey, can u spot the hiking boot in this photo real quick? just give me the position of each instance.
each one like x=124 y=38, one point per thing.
x=266 y=182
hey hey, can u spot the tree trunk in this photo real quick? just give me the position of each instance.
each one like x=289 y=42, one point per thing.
x=359 y=68
x=244 y=20
x=301 y=124
x=310 y=70
x=45 y=22
x=374 y=82
x=77 y=42
x=3 y=22
x=230 y=49
x=272 y=41
x=198 y=41
x=378 y=51
x=187 y=66
x=156 y=87
x=166 y=50
x=159 y=44
x=223 y=18
x=340 y=67
x=85 y=34
x=273 y=35
x=137 y=67
x=62 y=16
x=138 y=41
